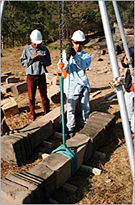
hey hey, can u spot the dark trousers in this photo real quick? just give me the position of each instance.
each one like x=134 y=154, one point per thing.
x=32 y=83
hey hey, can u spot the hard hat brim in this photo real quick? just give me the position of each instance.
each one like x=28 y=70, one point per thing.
x=37 y=42
x=79 y=40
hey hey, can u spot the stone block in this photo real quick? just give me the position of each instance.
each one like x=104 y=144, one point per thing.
x=7 y=87
x=55 y=117
x=19 y=88
x=26 y=145
x=78 y=144
x=17 y=193
x=62 y=166
x=7 y=150
x=55 y=81
x=12 y=80
x=32 y=182
x=9 y=107
x=52 y=79
x=7 y=73
x=3 y=77
x=18 y=148
x=99 y=129
x=48 y=175
x=38 y=131
x=54 y=94
x=23 y=151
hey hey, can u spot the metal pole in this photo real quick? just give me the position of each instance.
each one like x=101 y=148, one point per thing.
x=116 y=9
x=120 y=96
x=117 y=13
x=3 y=4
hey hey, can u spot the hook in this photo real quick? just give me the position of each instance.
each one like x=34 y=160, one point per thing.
x=61 y=66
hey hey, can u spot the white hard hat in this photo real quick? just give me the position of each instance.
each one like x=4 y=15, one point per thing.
x=78 y=36
x=36 y=36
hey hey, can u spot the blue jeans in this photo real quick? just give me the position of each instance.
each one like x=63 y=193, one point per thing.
x=129 y=99
x=71 y=107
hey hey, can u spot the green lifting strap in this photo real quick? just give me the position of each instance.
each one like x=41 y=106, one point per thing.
x=63 y=149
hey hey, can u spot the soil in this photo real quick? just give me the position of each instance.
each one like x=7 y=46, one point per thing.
x=92 y=189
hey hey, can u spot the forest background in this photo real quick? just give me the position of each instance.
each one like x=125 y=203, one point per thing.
x=21 y=17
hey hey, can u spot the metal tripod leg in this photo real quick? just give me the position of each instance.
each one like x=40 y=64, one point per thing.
x=3 y=3
x=120 y=95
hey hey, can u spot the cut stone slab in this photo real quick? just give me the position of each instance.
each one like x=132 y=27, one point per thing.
x=12 y=80
x=62 y=166
x=78 y=144
x=32 y=182
x=3 y=77
x=9 y=107
x=7 y=73
x=38 y=131
x=55 y=117
x=7 y=87
x=26 y=150
x=19 y=88
x=49 y=176
x=7 y=150
x=99 y=128
x=52 y=79
x=17 y=193
x=54 y=93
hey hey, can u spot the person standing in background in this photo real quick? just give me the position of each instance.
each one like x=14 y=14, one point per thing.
x=129 y=88
x=35 y=58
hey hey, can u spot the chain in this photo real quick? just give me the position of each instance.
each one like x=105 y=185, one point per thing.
x=61 y=26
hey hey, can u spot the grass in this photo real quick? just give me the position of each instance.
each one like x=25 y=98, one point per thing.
x=56 y=47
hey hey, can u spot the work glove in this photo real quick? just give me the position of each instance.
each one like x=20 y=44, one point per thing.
x=69 y=51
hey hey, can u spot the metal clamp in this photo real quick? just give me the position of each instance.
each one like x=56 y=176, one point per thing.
x=117 y=82
x=130 y=61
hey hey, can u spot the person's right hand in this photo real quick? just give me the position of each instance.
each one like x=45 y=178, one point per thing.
x=34 y=54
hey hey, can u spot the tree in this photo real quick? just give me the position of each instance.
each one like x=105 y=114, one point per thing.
x=21 y=17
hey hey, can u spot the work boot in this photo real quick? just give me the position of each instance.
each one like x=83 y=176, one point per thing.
x=70 y=134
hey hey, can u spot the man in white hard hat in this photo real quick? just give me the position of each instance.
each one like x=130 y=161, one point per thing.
x=76 y=85
x=35 y=58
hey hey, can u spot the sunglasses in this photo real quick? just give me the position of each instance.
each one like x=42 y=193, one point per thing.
x=76 y=42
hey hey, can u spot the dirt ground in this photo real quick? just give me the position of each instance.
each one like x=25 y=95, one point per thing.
x=115 y=166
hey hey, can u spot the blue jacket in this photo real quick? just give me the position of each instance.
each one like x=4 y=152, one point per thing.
x=33 y=66
x=76 y=78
